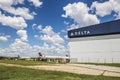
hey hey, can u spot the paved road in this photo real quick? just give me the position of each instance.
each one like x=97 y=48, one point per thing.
x=107 y=70
x=76 y=68
x=99 y=67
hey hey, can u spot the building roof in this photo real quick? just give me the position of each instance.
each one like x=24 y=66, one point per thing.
x=108 y=28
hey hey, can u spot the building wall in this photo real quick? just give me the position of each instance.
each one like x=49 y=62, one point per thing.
x=103 y=49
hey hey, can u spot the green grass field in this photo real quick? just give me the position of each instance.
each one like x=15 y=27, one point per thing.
x=106 y=64
x=16 y=73
x=26 y=63
x=31 y=63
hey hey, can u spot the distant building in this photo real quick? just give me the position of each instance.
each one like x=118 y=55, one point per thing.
x=97 y=43
x=55 y=59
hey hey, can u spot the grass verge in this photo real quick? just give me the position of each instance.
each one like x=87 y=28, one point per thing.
x=16 y=73
x=26 y=63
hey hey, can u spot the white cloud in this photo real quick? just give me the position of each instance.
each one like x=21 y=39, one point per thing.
x=52 y=39
x=14 y=22
x=66 y=37
x=22 y=48
x=6 y=5
x=51 y=36
x=23 y=12
x=39 y=27
x=79 y=12
x=18 y=2
x=23 y=35
x=102 y=9
x=33 y=13
x=66 y=22
x=36 y=3
x=73 y=26
x=64 y=31
x=106 y=8
x=36 y=27
x=4 y=38
x=33 y=26
x=19 y=45
x=36 y=36
x=53 y=42
x=48 y=30
x=17 y=21
x=53 y=45
x=6 y=2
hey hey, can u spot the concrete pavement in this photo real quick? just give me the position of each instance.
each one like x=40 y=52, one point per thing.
x=107 y=70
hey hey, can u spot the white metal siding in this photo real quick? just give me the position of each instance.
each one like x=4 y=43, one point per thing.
x=96 y=49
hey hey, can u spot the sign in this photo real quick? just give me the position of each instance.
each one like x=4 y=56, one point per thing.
x=85 y=32
x=107 y=28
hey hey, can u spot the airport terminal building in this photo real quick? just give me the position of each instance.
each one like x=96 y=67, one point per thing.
x=97 y=43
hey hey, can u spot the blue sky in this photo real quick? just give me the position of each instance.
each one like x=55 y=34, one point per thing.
x=31 y=26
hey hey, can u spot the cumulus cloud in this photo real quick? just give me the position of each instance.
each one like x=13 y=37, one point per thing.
x=6 y=5
x=36 y=3
x=23 y=49
x=79 y=12
x=65 y=21
x=36 y=27
x=4 y=38
x=22 y=34
x=64 y=31
x=81 y=15
x=51 y=36
x=66 y=37
x=22 y=13
x=53 y=42
x=106 y=8
x=14 y=22
x=18 y=1
x=36 y=36
x=33 y=26
x=48 y=30
x=102 y=9
x=39 y=27
x=19 y=47
x=52 y=39
x=73 y=26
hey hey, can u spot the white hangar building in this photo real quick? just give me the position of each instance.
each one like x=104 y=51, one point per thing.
x=97 y=43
